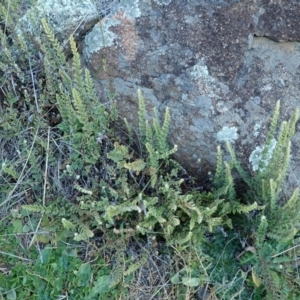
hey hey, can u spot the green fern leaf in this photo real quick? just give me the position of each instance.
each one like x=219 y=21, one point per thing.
x=136 y=166
x=238 y=166
x=60 y=58
x=81 y=110
x=77 y=69
x=119 y=153
x=83 y=235
x=115 y=210
x=67 y=224
x=142 y=114
x=135 y=266
x=118 y=269
x=183 y=239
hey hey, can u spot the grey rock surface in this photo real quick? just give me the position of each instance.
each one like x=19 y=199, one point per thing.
x=66 y=17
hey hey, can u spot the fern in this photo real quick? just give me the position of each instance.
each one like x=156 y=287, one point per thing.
x=67 y=224
x=149 y=134
x=59 y=59
x=270 y=137
x=276 y=223
x=119 y=154
x=47 y=210
x=77 y=70
x=136 y=166
x=154 y=213
x=10 y=170
x=135 y=266
x=153 y=156
x=181 y=238
x=142 y=114
x=130 y=131
x=83 y=235
x=119 y=267
x=113 y=211
x=80 y=109
x=82 y=190
x=69 y=124
x=219 y=174
x=161 y=133
x=238 y=166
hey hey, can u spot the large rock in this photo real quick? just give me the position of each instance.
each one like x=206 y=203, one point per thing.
x=220 y=65
x=66 y=17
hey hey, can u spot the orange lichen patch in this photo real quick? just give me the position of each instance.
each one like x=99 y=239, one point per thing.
x=128 y=35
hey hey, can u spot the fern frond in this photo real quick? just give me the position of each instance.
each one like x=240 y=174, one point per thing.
x=83 y=235
x=67 y=111
x=283 y=236
x=261 y=231
x=219 y=174
x=67 y=224
x=173 y=221
x=96 y=216
x=37 y=208
x=130 y=231
x=135 y=266
x=77 y=69
x=118 y=268
x=230 y=182
x=119 y=153
x=237 y=165
x=125 y=186
x=80 y=108
x=284 y=164
x=271 y=133
x=190 y=206
x=146 y=226
x=209 y=211
x=166 y=155
x=153 y=156
x=273 y=285
x=293 y=201
x=153 y=179
x=149 y=133
x=142 y=114
x=221 y=191
x=148 y=202
x=135 y=166
x=115 y=210
x=66 y=80
x=60 y=59
x=156 y=125
x=173 y=205
x=294 y=119
x=279 y=154
x=89 y=86
x=246 y=209
x=10 y=170
x=214 y=222
x=169 y=229
x=129 y=130
x=183 y=238
x=162 y=133
x=166 y=124
x=273 y=195
x=23 y=44
x=157 y=213
x=82 y=190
